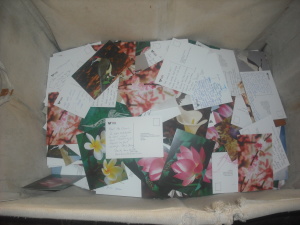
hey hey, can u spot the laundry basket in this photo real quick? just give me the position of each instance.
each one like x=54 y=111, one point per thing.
x=32 y=30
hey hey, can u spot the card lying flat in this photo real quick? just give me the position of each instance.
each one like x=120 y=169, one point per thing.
x=182 y=66
x=230 y=69
x=102 y=69
x=97 y=115
x=140 y=93
x=224 y=173
x=255 y=162
x=62 y=126
x=134 y=137
x=240 y=115
x=188 y=168
x=263 y=95
x=192 y=121
x=266 y=125
x=99 y=170
x=53 y=182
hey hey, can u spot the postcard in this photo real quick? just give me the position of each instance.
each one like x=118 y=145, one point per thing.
x=109 y=97
x=62 y=126
x=134 y=137
x=53 y=182
x=97 y=115
x=240 y=114
x=266 y=125
x=63 y=64
x=167 y=110
x=58 y=155
x=131 y=187
x=72 y=169
x=263 y=95
x=230 y=69
x=188 y=168
x=227 y=134
x=182 y=66
x=102 y=69
x=161 y=48
x=149 y=171
x=211 y=87
x=99 y=170
x=255 y=162
x=282 y=174
x=140 y=93
x=224 y=173
x=224 y=111
x=190 y=120
x=74 y=99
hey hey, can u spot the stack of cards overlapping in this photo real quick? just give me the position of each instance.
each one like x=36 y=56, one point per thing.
x=160 y=119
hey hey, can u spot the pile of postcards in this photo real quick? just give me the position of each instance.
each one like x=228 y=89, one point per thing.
x=162 y=119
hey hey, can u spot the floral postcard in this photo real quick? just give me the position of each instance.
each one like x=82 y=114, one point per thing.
x=188 y=168
x=129 y=48
x=149 y=171
x=255 y=162
x=190 y=120
x=96 y=116
x=224 y=111
x=102 y=69
x=64 y=153
x=62 y=126
x=54 y=182
x=99 y=170
x=227 y=136
x=140 y=93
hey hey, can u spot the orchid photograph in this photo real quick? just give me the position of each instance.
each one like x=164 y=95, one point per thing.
x=187 y=168
x=99 y=170
x=255 y=162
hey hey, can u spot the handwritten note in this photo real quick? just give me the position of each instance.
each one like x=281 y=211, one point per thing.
x=134 y=137
x=211 y=88
x=74 y=99
x=240 y=115
x=230 y=69
x=224 y=173
x=266 y=125
x=263 y=95
x=182 y=66
x=109 y=97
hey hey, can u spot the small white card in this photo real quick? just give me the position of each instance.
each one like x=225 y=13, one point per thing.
x=266 y=125
x=224 y=173
x=263 y=95
x=134 y=137
x=240 y=114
